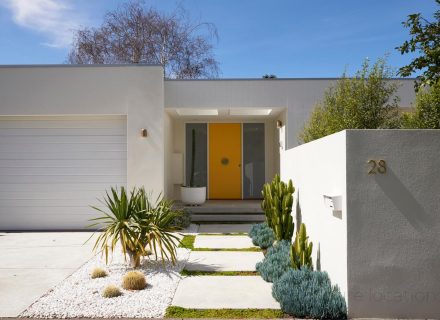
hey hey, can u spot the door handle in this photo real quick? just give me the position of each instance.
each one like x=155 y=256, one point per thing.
x=239 y=165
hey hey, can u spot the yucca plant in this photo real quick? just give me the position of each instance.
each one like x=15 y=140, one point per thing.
x=116 y=223
x=136 y=223
x=156 y=222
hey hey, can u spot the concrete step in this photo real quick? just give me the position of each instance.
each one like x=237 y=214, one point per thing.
x=223 y=261
x=223 y=210
x=228 y=217
x=223 y=292
x=223 y=242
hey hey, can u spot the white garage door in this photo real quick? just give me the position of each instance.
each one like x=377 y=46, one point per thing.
x=53 y=168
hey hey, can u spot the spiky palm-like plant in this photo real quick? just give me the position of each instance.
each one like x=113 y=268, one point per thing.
x=136 y=223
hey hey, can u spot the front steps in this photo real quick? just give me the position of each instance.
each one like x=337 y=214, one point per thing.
x=239 y=211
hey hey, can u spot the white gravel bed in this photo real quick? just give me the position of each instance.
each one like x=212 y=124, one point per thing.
x=80 y=296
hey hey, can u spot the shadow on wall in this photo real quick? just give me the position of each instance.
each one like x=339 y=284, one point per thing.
x=298 y=213
x=404 y=201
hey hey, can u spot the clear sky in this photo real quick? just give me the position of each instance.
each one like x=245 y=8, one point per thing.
x=288 y=38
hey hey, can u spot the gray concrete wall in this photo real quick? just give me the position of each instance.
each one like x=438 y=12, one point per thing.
x=299 y=96
x=134 y=91
x=393 y=224
x=384 y=248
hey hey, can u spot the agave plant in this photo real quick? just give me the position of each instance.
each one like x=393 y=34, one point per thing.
x=135 y=222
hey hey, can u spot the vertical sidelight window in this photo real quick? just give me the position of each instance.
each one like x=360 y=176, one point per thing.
x=253 y=160
x=201 y=153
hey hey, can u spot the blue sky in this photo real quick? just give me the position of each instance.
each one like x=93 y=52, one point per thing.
x=289 y=38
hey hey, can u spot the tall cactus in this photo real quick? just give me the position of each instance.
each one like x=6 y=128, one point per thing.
x=277 y=205
x=301 y=250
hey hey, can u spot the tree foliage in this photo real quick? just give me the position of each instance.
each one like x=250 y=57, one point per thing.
x=366 y=101
x=426 y=111
x=425 y=40
x=134 y=33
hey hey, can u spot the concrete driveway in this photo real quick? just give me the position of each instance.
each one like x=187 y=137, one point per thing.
x=33 y=263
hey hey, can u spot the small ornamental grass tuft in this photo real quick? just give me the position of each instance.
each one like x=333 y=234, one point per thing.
x=309 y=294
x=111 y=291
x=276 y=262
x=262 y=235
x=134 y=280
x=98 y=273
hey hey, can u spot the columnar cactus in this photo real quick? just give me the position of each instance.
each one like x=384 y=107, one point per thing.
x=277 y=205
x=301 y=250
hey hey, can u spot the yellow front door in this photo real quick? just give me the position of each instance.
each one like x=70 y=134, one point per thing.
x=225 y=161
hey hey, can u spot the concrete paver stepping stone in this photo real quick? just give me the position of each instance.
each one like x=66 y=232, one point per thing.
x=225 y=228
x=222 y=292
x=234 y=242
x=223 y=261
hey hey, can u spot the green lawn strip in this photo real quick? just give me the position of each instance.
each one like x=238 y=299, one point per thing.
x=187 y=242
x=179 y=312
x=185 y=272
x=251 y=249
x=224 y=234
x=227 y=222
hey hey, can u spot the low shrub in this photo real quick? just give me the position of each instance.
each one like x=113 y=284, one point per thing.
x=309 y=294
x=134 y=280
x=261 y=235
x=98 y=273
x=183 y=220
x=276 y=262
x=111 y=291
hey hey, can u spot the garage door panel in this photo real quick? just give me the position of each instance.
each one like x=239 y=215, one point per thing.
x=88 y=196
x=48 y=222
x=49 y=202
x=63 y=139
x=62 y=131
x=109 y=179
x=61 y=147
x=53 y=187
x=72 y=121
x=52 y=170
x=11 y=171
x=56 y=155
x=69 y=163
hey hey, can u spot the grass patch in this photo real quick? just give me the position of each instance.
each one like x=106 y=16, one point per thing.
x=190 y=273
x=224 y=234
x=179 y=312
x=187 y=242
x=252 y=249
x=226 y=222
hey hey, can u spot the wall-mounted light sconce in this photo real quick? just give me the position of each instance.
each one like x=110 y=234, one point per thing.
x=279 y=124
x=144 y=133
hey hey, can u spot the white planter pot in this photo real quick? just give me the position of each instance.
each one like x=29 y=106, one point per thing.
x=193 y=196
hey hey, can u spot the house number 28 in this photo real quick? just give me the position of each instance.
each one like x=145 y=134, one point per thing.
x=377 y=166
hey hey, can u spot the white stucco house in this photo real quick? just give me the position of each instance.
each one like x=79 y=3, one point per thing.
x=67 y=133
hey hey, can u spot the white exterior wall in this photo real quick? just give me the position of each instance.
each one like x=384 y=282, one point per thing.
x=316 y=169
x=384 y=253
x=134 y=91
x=299 y=96
x=394 y=224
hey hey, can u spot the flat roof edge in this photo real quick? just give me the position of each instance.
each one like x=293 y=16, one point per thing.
x=67 y=65
x=276 y=79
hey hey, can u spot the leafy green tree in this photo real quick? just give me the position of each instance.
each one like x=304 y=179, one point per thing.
x=426 y=112
x=425 y=40
x=365 y=101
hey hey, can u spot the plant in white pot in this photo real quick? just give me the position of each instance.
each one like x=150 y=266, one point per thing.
x=192 y=194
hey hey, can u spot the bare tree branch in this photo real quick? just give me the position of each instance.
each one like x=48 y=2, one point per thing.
x=134 y=33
